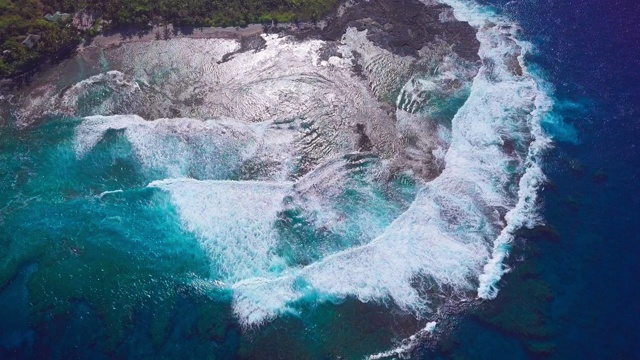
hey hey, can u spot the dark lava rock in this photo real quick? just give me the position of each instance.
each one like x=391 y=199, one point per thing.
x=328 y=50
x=364 y=143
x=400 y=26
x=249 y=43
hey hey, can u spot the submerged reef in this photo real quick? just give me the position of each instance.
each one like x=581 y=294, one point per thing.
x=523 y=307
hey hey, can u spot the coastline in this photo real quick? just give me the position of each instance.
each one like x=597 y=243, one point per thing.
x=15 y=84
x=406 y=37
x=106 y=41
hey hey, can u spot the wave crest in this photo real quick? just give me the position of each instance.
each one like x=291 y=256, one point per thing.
x=481 y=186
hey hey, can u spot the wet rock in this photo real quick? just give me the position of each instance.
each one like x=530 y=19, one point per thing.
x=400 y=26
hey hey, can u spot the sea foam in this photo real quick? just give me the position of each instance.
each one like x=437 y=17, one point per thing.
x=458 y=231
x=452 y=239
x=407 y=345
x=173 y=148
x=234 y=221
x=500 y=44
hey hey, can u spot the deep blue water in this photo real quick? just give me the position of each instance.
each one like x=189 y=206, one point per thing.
x=590 y=52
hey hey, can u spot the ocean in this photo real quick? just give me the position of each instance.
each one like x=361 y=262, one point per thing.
x=110 y=251
x=590 y=52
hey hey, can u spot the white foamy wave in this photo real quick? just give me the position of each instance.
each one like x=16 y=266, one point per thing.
x=458 y=230
x=242 y=224
x=105 y=193
x=422 y=241
x=178 y=147
x=503 y=52
x=47 y=100
x=406 y=345
x=234 y=222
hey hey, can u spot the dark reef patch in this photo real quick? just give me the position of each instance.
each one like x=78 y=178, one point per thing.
x=349 y=329
x=515 y=325
x=523 y=305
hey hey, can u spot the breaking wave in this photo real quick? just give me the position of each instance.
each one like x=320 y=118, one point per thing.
x=511 y=92
x=446 y=233
x=234 y=221
x=458 y=231
x=173 y=148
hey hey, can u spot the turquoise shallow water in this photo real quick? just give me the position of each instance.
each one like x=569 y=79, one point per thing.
x=98 y=265
x=116 y=252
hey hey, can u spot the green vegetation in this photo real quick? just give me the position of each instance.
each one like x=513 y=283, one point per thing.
x=19 y=18
x=51 y=40
x=195 y=12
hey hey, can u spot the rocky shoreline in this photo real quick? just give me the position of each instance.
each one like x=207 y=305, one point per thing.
x=402 y=27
